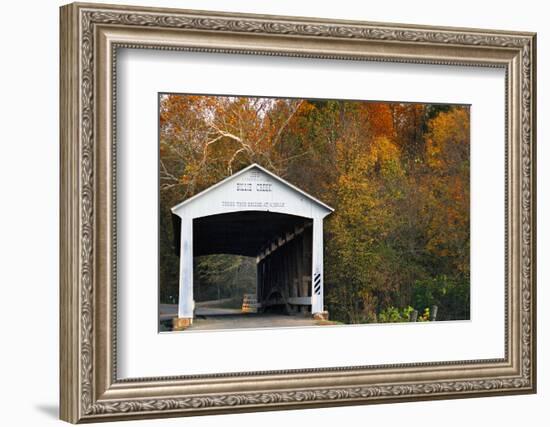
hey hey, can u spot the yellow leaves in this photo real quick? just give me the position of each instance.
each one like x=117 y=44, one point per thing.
x=448 y=139
x=384 y=151
x=447 y=148
x=305 y=108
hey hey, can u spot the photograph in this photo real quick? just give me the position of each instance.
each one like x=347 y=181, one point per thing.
x=293 y=212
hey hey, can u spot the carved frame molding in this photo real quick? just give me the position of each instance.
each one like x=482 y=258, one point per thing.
x=90 y=37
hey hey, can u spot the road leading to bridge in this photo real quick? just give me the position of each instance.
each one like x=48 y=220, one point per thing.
x=249 y=320
x=215 y=318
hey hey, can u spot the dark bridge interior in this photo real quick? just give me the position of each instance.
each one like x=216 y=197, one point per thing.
x=281 y=243
x=238 y=233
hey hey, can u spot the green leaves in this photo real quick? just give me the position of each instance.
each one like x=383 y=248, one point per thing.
x=450 y=294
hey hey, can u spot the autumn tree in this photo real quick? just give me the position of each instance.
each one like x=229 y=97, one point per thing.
x=397 y=175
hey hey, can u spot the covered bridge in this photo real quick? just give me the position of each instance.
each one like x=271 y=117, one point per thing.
x=255 y=213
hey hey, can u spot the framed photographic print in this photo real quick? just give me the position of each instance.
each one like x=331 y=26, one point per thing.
x=266 y=212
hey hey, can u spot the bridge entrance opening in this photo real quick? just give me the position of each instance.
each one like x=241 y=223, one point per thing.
x=280 y=246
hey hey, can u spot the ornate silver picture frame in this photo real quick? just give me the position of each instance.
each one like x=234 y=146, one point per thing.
x=92 y=35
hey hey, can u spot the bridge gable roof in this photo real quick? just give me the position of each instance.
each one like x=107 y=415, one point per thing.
x=292 y=191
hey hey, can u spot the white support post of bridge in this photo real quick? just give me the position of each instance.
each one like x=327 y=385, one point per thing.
x=317 y=268
x=186 y=303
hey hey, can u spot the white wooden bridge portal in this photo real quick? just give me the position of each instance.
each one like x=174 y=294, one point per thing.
x=256 y=213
